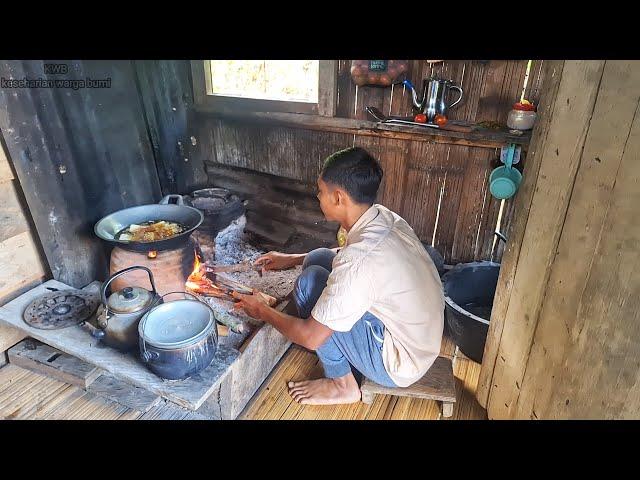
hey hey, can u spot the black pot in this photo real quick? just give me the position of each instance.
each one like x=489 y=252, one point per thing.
x=469 y=289
x=219 y=206
x=179 y=363
x=178 y=339
x=190 y=217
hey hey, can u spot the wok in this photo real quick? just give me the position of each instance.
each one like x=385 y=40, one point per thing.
x=190 y=217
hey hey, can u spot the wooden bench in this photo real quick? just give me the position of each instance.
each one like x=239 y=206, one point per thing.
x=437 y=384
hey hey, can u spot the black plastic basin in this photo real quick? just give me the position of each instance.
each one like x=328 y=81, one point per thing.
x=469 y=289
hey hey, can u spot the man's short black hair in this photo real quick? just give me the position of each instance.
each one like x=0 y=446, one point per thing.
x=356 y=171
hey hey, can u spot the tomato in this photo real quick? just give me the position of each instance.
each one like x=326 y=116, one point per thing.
x=440 y=120
x=420 y=118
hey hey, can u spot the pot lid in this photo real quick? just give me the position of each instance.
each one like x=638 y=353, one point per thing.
x=176 y=324
x=130 y=300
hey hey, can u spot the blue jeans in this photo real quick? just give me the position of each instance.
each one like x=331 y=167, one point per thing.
x=360 y=347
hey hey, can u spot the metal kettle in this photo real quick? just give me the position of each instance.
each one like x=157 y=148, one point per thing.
x=434 y=95
x=119 y=315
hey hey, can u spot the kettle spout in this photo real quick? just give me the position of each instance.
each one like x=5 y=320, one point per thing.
x=414 y=95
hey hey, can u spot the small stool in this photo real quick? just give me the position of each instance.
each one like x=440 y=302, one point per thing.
x=437 y=384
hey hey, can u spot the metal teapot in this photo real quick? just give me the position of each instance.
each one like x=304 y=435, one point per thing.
x=119 y=315
x=433 y=98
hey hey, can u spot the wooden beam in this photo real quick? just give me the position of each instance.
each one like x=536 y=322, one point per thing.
x=584 y=358
x=328 y=88
x=199 y=78
x=476 y=138
x=515 y=235
x=570 y=122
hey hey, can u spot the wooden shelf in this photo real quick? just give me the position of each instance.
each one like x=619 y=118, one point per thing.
x=479 y=137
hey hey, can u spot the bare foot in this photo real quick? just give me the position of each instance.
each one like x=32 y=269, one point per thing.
x=326 y=391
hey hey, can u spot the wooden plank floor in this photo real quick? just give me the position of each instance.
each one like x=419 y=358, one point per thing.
x=28 y=395
x=272 y=402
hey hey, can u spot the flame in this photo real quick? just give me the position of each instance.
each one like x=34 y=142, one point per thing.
x=198 y=282
x=152 y=254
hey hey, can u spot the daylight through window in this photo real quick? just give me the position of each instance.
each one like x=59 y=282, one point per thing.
x=286 y=80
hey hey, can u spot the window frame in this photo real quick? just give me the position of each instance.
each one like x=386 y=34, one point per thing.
x=327 y=89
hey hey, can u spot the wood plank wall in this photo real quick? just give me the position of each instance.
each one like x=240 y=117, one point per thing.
x=564 y=337
x=21 y=263
x=79 y=155
x=440 y=189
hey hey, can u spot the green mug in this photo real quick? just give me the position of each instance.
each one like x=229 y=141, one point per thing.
x=504 y=182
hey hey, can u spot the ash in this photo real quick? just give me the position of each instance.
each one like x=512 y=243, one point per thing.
x=231 y=247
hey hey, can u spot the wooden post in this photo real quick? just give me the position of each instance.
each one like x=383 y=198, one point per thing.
x=368 y=397
x=561 y=341
x=515 y=235
x=447 y=409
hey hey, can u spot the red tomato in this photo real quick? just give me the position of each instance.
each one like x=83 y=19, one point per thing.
x=420 y=118
x=440 y=120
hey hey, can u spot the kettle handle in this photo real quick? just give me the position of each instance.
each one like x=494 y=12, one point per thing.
x=103 y=290
x=455 y=87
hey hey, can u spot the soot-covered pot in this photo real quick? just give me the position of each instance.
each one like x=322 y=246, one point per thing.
x=178 y=338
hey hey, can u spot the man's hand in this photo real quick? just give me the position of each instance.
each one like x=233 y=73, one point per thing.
x=253 y=305
x=277 y=261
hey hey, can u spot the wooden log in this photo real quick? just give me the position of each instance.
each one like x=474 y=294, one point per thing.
x=243 y=288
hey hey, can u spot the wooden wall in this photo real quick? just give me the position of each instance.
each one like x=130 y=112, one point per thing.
x=79 y=155
x=440 y=189
x=21 y=264
x=564 y=339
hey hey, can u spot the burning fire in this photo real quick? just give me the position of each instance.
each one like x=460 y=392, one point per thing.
x=198 y=282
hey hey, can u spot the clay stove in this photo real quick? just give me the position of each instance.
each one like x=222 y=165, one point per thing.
x=171 y=268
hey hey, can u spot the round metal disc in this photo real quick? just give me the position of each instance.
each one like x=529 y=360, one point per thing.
x=60 y=309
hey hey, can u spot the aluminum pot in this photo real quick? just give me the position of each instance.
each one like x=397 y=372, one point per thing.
x=178 y=339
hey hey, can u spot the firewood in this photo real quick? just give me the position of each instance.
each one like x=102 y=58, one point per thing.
x=235 y=285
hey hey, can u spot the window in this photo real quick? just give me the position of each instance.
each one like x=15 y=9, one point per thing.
x=295 y=86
